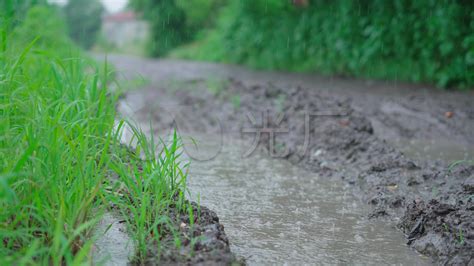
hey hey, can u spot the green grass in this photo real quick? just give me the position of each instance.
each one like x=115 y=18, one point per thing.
x=461 y=237
x=152 y=187
x=60 y=148
x=459 y=162
x=56 y=125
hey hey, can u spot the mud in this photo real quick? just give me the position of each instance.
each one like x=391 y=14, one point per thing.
x=418 y=119
x=202 y=241
x=353 y=137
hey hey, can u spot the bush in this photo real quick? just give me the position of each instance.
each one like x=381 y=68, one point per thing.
x=175 y=22
x=420 y=41
x=45 y=25
x=199 y=13
x=84 y=19
x=167 y=25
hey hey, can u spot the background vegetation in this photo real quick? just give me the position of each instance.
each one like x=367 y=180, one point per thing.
x=421 y=41
x=13 y=11
x=84 y=19
x=174 y=22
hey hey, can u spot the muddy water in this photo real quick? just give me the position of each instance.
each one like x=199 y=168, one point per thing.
x=113 y=246
x=276 y=213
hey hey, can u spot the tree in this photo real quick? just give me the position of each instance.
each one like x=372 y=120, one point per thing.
x=84 y=18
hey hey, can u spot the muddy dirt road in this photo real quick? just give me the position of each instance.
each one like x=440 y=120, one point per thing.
x=425 y=122
x=388 y=145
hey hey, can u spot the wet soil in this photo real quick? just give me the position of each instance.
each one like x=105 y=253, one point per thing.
x=356 y=130
x=202 y=241
x=425 y=122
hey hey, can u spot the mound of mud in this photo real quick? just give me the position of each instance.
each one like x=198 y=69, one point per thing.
x=202 y=241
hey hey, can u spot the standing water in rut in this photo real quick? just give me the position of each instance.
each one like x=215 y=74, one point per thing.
x=275 y=212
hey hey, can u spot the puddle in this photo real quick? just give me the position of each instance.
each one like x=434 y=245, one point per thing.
x=114 y=246
x=276 y=213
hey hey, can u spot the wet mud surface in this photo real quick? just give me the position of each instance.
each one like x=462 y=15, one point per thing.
x=203 y=241
x=347 y=130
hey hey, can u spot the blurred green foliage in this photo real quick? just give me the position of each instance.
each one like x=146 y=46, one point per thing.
x=167 y=24
x=199 y=13
x=13 y=11
x=420 y=41
x=84 y=19
x=175 y=22
x=47 y=27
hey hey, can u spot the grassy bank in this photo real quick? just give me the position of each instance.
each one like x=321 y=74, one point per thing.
x=61 y=161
